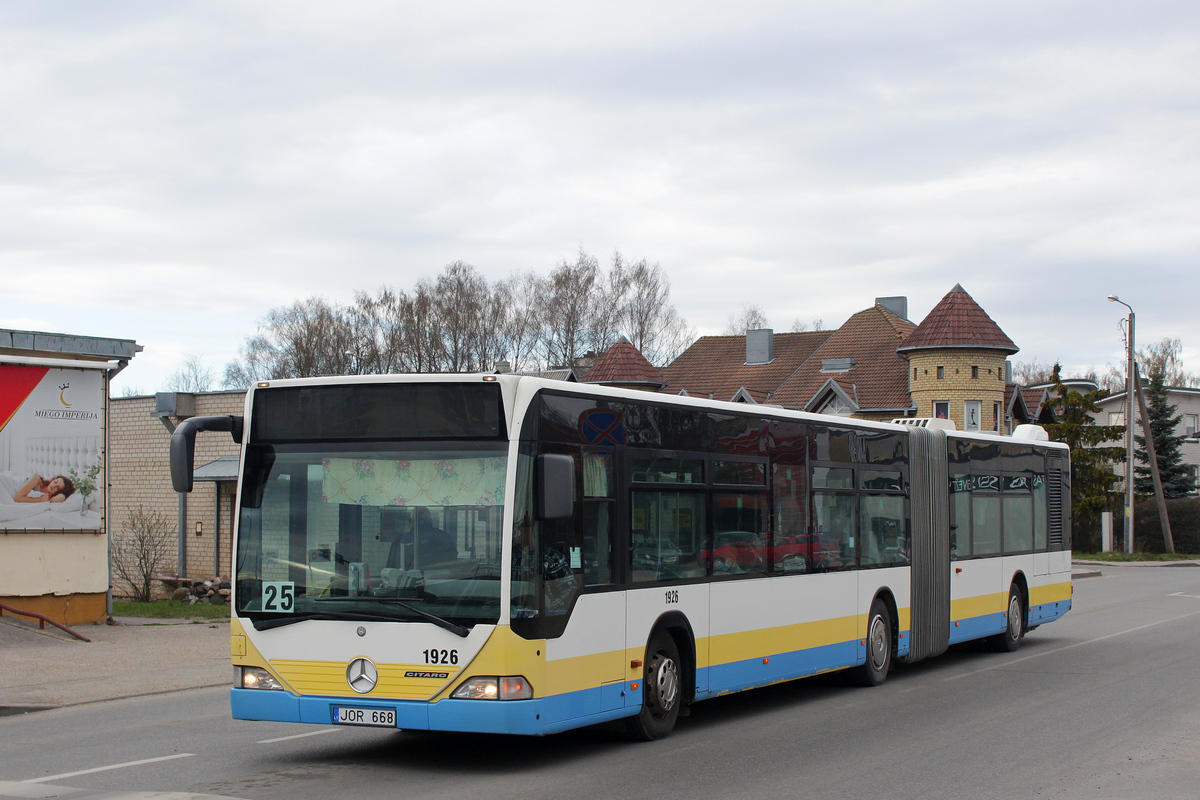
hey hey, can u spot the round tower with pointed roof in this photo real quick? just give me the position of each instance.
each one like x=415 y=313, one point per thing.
x=956 y=364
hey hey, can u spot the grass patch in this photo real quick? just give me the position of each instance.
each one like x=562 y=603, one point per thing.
x=169 y=609
x=1133 y=556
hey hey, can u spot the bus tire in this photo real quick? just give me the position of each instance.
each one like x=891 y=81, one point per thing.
x=879 y=648
x=1014 y=631
x=662 y=690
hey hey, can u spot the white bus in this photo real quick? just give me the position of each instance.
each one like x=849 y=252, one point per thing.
x=506 y=554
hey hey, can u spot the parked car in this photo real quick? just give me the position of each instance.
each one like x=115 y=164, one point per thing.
x=735 y=552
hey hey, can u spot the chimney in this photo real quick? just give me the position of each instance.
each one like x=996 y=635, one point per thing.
x=760 y=346
x=1008 y=376
x=896 y=305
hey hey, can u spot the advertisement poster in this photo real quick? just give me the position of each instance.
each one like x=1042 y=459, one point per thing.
x=51 y=435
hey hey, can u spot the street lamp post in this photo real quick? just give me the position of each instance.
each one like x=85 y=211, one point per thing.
x=1129 y=389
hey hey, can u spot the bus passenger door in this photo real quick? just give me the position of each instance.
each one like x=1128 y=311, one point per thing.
x=587 y=661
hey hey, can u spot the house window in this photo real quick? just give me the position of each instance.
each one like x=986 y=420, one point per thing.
x=941 y=373
x=941 y=408
x=1190 y=424
x=1195 y=479
x=971 y=412
x=1116 y=418
x=996 y=417
x=914 y=373
x=974 y=372
x=835 y=405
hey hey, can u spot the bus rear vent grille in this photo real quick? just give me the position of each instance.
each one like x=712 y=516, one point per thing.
x=1054 y=502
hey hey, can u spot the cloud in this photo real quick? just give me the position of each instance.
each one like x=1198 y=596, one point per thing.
x=176 y=171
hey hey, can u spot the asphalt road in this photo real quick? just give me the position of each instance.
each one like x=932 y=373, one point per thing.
x=1104 y=703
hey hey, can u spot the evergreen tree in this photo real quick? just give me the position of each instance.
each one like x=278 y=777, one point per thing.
x=1092 y=476
x=1176 y=478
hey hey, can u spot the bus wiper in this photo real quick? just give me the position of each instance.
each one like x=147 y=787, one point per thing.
x=454 y=628
x=279 y=622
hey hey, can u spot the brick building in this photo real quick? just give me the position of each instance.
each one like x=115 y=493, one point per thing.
x=140 y=476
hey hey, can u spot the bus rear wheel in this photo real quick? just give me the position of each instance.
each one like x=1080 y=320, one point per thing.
x=879 y=648
x=662 y=691
x=1010 y=640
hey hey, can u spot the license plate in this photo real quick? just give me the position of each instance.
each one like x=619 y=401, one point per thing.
x=374 y=717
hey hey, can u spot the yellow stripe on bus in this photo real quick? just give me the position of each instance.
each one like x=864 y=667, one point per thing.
x=979 y=605
x=1052 y=593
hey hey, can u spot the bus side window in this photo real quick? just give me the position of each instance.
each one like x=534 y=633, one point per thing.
x=597 y=543
x=598 y=507
x=833 y=534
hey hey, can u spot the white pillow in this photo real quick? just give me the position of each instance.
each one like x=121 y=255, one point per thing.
x=72 y=503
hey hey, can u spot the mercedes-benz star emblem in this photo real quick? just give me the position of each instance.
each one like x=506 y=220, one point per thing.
x=361 y=675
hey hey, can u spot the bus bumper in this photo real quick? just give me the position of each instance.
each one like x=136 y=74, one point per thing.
x=528 y=717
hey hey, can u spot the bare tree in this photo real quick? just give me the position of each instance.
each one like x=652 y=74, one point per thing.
x=192 y=376
x=520 y=295
x=1165 y=358
x=751 y=318
x=646 y=315
x=308 y=338
x=459 y=322
x=1029 y=373
x=141 y=549
x=568 y=310
x=801 y=327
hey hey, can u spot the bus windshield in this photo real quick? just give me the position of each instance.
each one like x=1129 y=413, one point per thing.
x=406 y=531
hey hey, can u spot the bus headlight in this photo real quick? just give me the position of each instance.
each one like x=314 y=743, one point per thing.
x=258 y=678
x=512 y=687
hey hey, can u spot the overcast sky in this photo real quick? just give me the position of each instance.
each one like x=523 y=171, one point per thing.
x=171 y=171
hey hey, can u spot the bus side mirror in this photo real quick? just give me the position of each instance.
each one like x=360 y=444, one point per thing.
x=183 y=445
x=556 y=486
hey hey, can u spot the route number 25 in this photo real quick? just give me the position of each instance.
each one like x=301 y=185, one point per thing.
x=279 y=596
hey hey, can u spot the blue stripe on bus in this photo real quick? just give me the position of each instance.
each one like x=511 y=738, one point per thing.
x=750 y=673
x=1048 y=612
x=964 y=630
x=530 y=717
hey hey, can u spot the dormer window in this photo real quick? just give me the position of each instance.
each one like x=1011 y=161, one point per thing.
x=835 y=405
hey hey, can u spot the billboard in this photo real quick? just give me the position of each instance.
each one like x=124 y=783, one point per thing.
x=51 y=441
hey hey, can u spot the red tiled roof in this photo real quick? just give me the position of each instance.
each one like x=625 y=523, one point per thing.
x=624 y=363
x=1035 y=401
x=958 y=321
x=716 y=365
x=879 y=377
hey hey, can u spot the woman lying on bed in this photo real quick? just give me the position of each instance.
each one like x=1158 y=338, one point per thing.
x=55 y=490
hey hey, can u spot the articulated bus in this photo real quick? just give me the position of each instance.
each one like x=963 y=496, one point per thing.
x=507 y=554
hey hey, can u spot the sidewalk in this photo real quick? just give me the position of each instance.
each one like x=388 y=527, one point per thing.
x=46 y=669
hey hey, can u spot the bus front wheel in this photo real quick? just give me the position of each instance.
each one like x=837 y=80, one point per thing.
x=1010 y=640
x=662 y=690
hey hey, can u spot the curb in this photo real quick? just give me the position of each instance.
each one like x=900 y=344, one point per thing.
x=17 y=709
x=1089 y=574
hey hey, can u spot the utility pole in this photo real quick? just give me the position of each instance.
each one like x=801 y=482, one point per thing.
x=1152 y=458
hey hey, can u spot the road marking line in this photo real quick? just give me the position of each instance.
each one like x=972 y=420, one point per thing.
x=1070 y=646
x=110 y=766
x=1181 y=594
x=300 y=736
